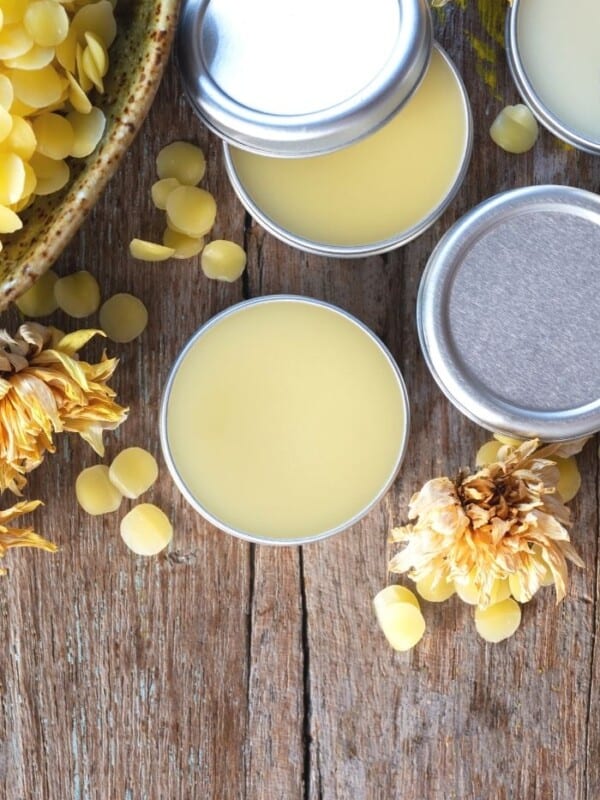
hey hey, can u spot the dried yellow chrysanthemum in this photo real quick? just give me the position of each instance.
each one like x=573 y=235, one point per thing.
x=20 y=537
x=46 y=389
x=504 y=520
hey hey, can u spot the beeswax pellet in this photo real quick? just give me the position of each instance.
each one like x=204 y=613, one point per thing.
x=47 y=23
x=498 y=622
x=191 y=210
x=500 y=591
x=520 y=594
x=161 y=190
x=9 y=221
x=223 y=260
x=38 y=88
x=515 y=129
x=39 y=301
x=146 y=530
x=487 y=453
x=402 y=624
x=394 y=594
x=88 y=130
x=51 y=175
x=12 y=178
x=466 y=589
x=89 y=66
x=78 y=294
x=149 y=251
x=511 y=441
x=123 y=318
x=12 y=11
x=437 y=593
x=36 y=58
x=183 y=246
x=14 y=41
x=98 y=18
x=183 y=161
x=569 y=482
x=97 y=53
x=6 y=92
x=133 y=471
x=80 y=69
x=54 y=134
x=95 y=493
x=6 y=123
x=77 y=97
x=21 y=140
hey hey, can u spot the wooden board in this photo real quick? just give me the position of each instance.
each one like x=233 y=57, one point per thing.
x=222 y=670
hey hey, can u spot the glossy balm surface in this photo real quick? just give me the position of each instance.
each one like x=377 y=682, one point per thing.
x=558 y=47
x=285 y=420
x=377 y=188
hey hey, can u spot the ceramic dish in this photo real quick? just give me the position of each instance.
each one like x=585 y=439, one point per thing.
x=138 y=57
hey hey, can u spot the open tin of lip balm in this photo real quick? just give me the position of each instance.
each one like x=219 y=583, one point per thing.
x=347 y=133
x=554 y=58
x=508 y=316
x=284 y=420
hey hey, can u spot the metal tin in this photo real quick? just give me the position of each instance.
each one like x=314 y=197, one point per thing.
x=296 y=79
x=372 y=248
x=251 y=537
x=529 y=93
x=508 y=314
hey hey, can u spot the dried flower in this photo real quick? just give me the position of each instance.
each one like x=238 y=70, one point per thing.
x=506 y=519
x=20 y=537
x=46 y=389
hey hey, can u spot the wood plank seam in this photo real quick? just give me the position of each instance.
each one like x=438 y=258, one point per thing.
x=594 y=794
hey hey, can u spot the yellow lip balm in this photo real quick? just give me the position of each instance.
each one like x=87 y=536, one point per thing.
x=380 y=188
x=284 y=420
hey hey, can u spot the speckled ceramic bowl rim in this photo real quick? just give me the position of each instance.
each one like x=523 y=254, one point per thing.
x=86 y=189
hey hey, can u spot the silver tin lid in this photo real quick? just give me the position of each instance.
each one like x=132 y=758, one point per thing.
x=292 y=78
x=508 y=313
x=546 y=116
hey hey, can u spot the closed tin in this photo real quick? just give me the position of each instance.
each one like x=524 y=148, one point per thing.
x=530 y=86
x=296 y=79
x=399 y=448
x=508 y=315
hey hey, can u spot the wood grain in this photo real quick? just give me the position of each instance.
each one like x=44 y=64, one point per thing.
x=222 y=670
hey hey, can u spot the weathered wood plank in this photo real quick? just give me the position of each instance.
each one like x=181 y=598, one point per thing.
x=227 y=671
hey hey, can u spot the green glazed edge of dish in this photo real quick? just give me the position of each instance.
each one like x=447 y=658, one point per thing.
x=138 y=58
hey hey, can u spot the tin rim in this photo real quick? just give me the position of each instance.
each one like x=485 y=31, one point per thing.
x=180 y=483
x=315 y=132
x=496 y=416
x=373 y=248
x=527 y=91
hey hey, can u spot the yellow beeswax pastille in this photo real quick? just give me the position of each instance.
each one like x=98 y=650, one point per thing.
x=123 y=317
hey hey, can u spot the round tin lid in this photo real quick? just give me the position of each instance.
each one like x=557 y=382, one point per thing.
x=508 y=313
x=290 y=78
x=563 y=46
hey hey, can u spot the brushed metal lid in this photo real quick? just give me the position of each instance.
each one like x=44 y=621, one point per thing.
x=294 y=79
x=508 y=313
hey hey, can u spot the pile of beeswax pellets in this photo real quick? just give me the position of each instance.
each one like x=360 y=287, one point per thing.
x=52 y=55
